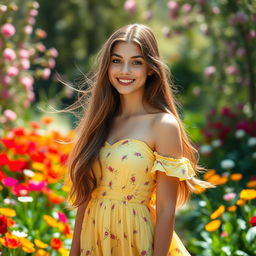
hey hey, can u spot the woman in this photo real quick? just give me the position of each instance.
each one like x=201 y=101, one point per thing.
x=130 y=148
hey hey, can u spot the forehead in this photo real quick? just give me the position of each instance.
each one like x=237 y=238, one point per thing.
x=126 y=48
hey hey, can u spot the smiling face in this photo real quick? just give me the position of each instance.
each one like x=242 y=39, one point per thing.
x=128 y=69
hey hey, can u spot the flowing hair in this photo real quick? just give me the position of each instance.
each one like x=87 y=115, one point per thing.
x=101 y=103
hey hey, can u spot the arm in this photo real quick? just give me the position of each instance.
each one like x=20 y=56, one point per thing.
x=75 y=246
x=167 y=143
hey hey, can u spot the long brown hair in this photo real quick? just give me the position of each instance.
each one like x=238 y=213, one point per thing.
x=101 y=103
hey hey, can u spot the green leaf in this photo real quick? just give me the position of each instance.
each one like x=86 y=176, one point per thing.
x=251 y=235
x=228 y=227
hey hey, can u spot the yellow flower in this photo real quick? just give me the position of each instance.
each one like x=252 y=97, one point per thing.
x=41 y=252
x=38 y=177
x=218 y=212
x=63 y=251
x=38 y=166
x=51 y=221
x=7 y=212
x=251 y=184
x=1 y=187
x=28 y=249
x=213 y=225
x=232 y=208
x=25 y=242
x=240 y=202
x=199 y=189
x=40 y=244
x=248 y=194
x=236 y=176
x=217 y=179
x=209 y=173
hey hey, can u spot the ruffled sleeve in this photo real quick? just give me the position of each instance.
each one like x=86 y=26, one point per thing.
x=177 y=167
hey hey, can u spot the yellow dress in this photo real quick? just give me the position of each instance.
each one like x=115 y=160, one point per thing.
x=119 y=219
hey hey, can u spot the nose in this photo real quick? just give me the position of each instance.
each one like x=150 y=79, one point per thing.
x=125 y=68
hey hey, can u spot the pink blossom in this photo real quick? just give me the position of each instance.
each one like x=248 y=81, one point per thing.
x=28 y=30
x=36 y=185
x=40 y=33
x=173 y=5
x=51 y=63
x=31 y=96
x=216 y=10
x=12 y=71
x=40 y=47
x=9 y=181
x=9 y=54
x=148 y=15
x=5 y=80
x=6 y=94
x=229 y=196
x=10 y=115
x=20 y=190
x=209 y=71
x=25 y=64
x=186 y=8
x=27 y=81
x=8 y=30
x=232 y=70
x=46 y=73
x=24 y=54
x=251 y=34
x=31 y=20
x=130 y=6
x=62 y=217
x=53 y=52
x=224 y=234
x=33 y=12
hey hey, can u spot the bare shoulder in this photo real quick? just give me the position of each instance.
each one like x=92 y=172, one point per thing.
x=167 y=135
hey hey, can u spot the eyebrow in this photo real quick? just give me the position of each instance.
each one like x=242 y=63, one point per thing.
x=133 y=57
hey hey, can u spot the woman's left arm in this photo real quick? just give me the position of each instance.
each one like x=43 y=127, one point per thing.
x=167 y=143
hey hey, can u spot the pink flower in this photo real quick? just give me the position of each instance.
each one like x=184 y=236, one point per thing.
x=8 y=30
x=232 y=70
x=36 y=185
x=229 y=196
x=35 y=5
x=186 y=8
x=62 y=217
x=28 y=30
x=40 y=33
x=9 y=181
x=148 y=15
x=216 y=10
x=24 y=54
x=9 y=54
x=209 y=71
x=25 y=64
x=53 y=52
x=130 y=6
x=33 y=12
x=12 y=71
x=251 y=34
x=31 y=96
x=5 y=80
x=51 y=63
x=46 y=73
x=173 y=5
x=10 y=115
x=27 y=81
x=224 y=234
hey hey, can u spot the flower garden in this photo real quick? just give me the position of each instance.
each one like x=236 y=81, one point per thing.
x=219 y=96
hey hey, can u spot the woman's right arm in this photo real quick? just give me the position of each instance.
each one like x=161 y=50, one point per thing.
x=75 y=246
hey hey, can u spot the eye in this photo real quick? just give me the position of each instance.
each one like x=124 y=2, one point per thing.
x=115 y=61
x=137 y=62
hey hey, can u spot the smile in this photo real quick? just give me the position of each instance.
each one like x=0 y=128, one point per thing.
x=125 y=81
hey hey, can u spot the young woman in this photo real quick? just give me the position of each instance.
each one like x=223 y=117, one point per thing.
x=130 y=147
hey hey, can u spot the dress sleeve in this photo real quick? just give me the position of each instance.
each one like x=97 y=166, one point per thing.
x=177 y=167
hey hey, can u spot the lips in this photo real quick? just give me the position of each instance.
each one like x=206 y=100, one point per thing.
x=125 y=81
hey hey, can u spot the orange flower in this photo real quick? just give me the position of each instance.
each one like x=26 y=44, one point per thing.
x=41 y=252
x=213 y=225
x=232 y=208
x=199 y=189
x=55 y=198
x=217 y=179
x=7 y=212
x=218 y=212
x=46 y=120
x=34 y=125
x=10 y=222
x=251 y=184
x=209 y=173
x=10 y=241
x=40 y=244
x=248 y=194
x=51 y=221
x=236 y=176
x=56 y=243
x=240 y=202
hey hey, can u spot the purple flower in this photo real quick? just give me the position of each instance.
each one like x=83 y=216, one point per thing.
x=8 y=30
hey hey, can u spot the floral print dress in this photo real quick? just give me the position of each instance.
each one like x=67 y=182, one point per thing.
x=119 y=219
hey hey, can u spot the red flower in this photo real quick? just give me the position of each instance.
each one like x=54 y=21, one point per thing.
x=3 y=159
x=253 y=220
x=3 y=224
x=20 y=190
x=17 y=165
x=56 y=243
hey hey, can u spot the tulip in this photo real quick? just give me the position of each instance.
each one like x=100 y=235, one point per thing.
x=8 y=30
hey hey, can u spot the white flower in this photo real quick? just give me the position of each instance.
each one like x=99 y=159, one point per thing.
x=227 y=164
x=202 y=203
x=254 y=155
x=9 y=201
x=216 y=143
x=240 y=133
x=28 y=172
x=204 y=149
x=19 y=233
x=252 y=141
x=25 y=199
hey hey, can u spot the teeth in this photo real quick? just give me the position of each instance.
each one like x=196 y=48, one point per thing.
x=125 y=81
